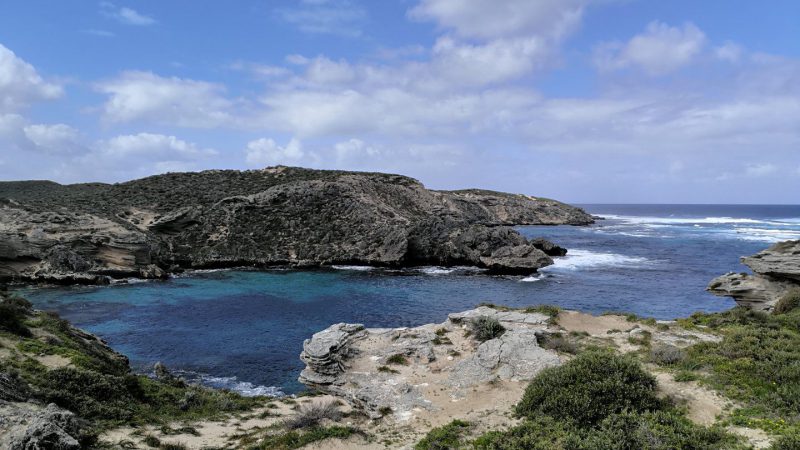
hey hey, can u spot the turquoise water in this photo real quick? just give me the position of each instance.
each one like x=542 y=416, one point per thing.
x=244 y=329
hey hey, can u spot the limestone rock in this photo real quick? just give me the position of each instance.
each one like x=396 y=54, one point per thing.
x=780 y=261
x=515 y=356
x=361 y=366
x=277 y=216
x=776 y=271
x=25 y=426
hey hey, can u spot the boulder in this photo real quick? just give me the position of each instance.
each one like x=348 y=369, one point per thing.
x=26 y=426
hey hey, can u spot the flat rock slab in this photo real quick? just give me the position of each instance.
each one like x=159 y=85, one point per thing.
x=404 y=371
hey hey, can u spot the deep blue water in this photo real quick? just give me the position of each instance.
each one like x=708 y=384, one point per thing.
x=245 y=329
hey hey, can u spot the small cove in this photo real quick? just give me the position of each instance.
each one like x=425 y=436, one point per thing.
x=244 y=329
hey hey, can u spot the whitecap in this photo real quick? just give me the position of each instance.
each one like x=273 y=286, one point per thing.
x=436 y=270
x=648 y=220
x=766 y=234
x=243 y=388
x=532 y=279
x=581 y=259
x=358 y=268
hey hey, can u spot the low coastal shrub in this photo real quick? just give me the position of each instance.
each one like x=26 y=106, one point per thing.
x=786 y=442
x=757 y=362
x=790 y=301
x=667 y=355
x=446 y=437
x=387 y=369
x=485 y=328
x=397 y=359
x=557 y=342
x=550 y=311
x=152 y=441
x=313 y=415
x=13 y=314
x=589 y=388
x=623 y=431
x=109 y=400
x=295 y=439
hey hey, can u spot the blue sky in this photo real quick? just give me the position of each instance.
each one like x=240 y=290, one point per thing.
x=582 y=100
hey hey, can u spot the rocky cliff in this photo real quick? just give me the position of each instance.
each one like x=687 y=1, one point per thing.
x=277 y=216
x=776 y=273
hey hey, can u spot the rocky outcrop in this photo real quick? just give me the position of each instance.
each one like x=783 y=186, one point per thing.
x=27 y=426
x=397 y=371
x=776 y=271
x=277 y=216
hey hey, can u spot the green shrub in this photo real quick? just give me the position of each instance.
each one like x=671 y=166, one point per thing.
x=397 y=359
x=294 y=439
x=173 y=446
x=445 y=437
x=667 y=355
x=589 y=388
x=787 y=442
x=313 y=415
x=538 y=433
x=626 y=431
x=757 y=362
x=550 y=311
x=789 y=302
x=557 y=342
x=91 y=395
x=13 y=313
x=485 y=328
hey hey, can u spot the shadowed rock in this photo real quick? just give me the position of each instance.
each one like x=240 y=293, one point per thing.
x=277 y=216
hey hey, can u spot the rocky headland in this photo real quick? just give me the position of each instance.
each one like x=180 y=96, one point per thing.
x=776 y=275
x=88 y=233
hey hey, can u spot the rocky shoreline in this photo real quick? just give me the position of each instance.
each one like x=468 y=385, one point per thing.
x=776 y=273
x=279 y=216
x=394 y=387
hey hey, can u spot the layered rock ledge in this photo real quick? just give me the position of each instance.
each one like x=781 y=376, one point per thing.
x=434 y=369
x=148 y=228
x=776 y=272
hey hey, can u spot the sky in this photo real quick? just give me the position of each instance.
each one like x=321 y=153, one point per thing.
x=587 y=101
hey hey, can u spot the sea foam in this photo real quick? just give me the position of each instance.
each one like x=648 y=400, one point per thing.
x=578 y=259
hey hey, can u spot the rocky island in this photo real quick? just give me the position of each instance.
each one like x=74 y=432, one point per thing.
x=88 y=233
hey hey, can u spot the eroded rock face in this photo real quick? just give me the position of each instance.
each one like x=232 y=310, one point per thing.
x=26 y=426
x=277 y=216
x=776 y=271
x=397 y=371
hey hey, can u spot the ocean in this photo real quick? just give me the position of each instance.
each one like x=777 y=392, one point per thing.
x=243 y=330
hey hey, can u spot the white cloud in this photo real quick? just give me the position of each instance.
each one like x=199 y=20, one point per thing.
x=144 y=96
x=760 y=170
x=266 y=152
x=659 y=50
x=125 y=15
x=729 y=51
x=57 y=138
x=338 y=17
x=21 y=84
x=488 y=19
x=354 y=149
x=147 y=144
